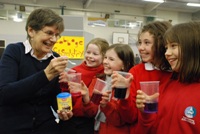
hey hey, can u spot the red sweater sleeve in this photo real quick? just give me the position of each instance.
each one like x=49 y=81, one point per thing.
x=146 y=123
x=112 y=114
x=110 y=111
x=77 y=105
x=88 y=77
x=127 y=107
x=90 y=109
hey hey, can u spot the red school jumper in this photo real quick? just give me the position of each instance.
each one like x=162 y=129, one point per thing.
x=128 y=110
x=179 y=109
x=113 y=124
x=87 y=74
x=79 y=123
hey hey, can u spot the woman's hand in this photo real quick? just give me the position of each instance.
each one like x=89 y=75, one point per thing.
x=64 y=114
x=55 y=67
x=63 y=77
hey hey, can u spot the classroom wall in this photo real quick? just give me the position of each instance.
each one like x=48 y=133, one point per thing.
x=12 y=31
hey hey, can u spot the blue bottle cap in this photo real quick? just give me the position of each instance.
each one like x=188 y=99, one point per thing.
x=63 y=95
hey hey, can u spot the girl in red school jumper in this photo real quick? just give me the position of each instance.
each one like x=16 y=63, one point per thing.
x=154 y=67
x=91 y=66
x=119 y=57
x=179 y=110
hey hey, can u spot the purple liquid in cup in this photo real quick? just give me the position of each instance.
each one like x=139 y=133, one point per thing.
x=96 y=98
x=120 y=92
x=151 y=107
x=64 y=87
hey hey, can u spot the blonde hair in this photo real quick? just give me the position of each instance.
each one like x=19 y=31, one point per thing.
x=101 y=43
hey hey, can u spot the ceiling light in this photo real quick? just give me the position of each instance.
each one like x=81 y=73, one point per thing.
x=18 y=17
x=193 y=4
x=158 y=1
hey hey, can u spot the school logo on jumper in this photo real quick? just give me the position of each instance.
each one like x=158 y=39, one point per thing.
x=190 y=112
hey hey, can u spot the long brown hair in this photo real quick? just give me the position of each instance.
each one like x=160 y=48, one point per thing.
x=187 y=36
x=157 y=29
x=125 y=53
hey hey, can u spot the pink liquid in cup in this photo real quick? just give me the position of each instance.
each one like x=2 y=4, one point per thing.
x=64 y=87
x=100 y=85
x=96 y=98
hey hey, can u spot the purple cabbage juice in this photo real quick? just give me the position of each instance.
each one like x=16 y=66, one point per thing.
x=64 y=87
x=96 y=98
x=151 y=107
x=120 y=92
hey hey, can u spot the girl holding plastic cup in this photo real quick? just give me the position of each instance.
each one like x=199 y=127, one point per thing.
x=89 y=68
x=178 y=110
x=118 y=57
x=154 y=67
